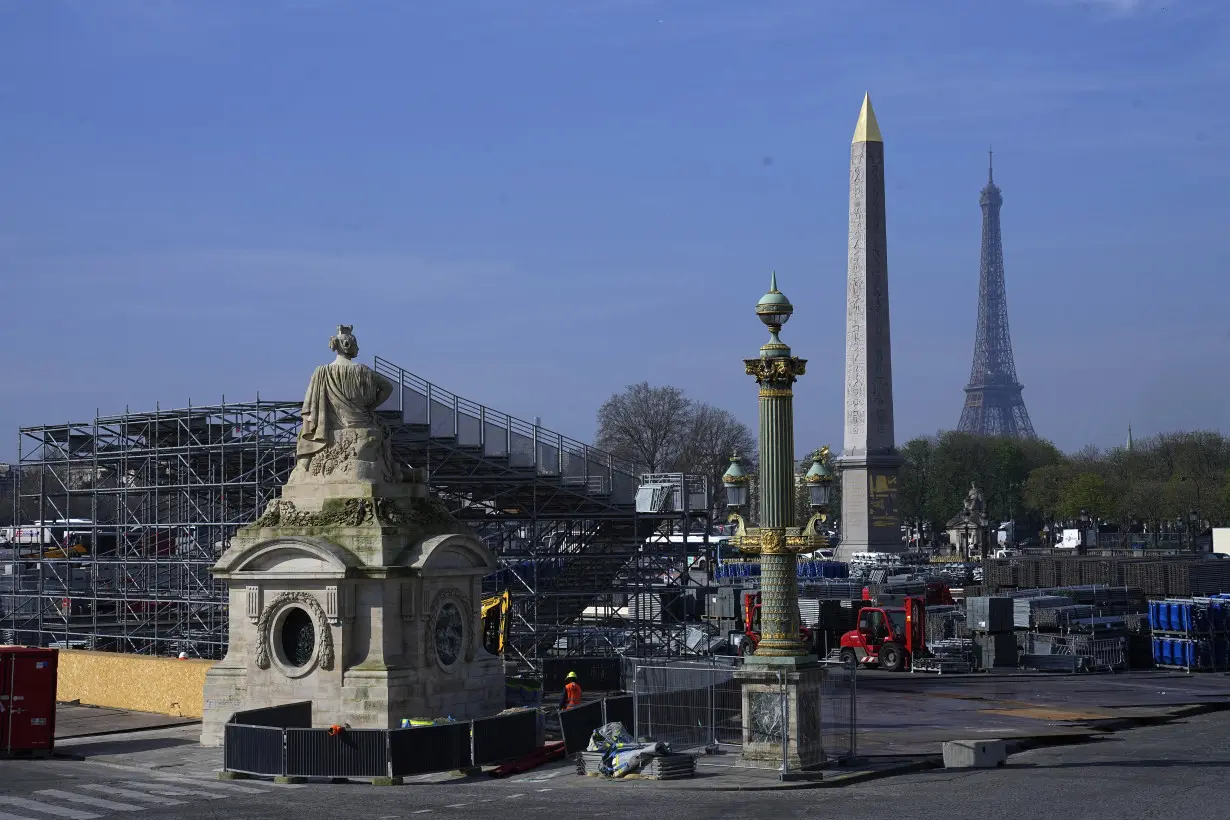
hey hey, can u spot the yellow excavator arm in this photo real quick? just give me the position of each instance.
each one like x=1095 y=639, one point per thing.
x=495 y=613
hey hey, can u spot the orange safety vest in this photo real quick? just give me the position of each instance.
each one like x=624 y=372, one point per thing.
x=572 y=691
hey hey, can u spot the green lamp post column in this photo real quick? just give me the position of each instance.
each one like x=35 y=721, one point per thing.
x=777 y=540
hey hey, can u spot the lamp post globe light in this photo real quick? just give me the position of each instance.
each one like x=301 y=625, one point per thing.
x=777 y=540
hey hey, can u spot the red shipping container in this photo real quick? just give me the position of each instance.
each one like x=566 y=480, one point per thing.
x=27 y=699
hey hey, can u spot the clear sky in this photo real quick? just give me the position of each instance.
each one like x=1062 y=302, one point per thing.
x=534 y=203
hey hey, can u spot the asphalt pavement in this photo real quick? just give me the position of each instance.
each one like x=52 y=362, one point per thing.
x=1156 y=772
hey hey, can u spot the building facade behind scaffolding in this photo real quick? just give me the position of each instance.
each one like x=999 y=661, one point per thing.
x=121 y=518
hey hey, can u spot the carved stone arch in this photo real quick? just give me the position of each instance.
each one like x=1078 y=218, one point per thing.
x=454 y=552
x=248 y=558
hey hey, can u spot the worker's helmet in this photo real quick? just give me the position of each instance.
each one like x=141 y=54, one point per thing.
x=571 y=676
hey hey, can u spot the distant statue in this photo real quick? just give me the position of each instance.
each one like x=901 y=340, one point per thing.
x=974 y=502
x=342 y=439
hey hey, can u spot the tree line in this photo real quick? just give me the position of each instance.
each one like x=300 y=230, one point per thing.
x=1160 y=482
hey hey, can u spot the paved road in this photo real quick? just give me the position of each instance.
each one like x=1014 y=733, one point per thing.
x=1159 y=772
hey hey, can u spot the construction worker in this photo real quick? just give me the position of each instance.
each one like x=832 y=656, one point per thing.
x=572 y=692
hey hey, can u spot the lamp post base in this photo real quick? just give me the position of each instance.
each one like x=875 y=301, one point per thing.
x=781 y=712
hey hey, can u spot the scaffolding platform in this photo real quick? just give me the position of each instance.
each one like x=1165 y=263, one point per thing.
x=153 y=498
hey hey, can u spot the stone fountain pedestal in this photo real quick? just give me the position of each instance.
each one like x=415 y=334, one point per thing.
x=781 y=712
x=355 y=589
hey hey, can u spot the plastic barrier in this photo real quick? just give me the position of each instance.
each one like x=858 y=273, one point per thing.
x=577 y=725
x=252 y=749
x=441 y=748
x=621 y=710
x=503 y=737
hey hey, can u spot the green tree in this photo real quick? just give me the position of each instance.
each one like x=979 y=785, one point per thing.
x=1086 y=491
x=1045 y=489
x=914 y=481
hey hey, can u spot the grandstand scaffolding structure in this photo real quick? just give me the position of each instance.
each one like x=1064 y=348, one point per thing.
x=129 y=512
x=135 y=508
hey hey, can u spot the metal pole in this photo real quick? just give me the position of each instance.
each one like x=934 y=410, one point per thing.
x=785 y=698
x=854 y=713
x=712 y=714
x=636 y=701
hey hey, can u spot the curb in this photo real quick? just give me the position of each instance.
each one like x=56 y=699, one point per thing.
x=836 y=780
x=153 y=728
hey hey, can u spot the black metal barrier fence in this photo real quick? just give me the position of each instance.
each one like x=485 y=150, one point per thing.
x=252 y=746
x=577 y=725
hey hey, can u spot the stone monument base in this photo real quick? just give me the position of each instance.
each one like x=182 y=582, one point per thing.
x=781 y=698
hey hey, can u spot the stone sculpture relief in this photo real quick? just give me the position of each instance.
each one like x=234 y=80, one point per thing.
x=461 y=603
x=264 y=628
x=341 y=439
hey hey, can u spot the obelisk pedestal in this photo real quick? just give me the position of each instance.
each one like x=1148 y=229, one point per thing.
x=870 y=520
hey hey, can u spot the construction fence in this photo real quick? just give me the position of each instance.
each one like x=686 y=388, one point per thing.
x=697 y=708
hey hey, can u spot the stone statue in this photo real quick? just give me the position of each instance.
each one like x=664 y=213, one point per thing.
x=342 y=440
x=974 y=502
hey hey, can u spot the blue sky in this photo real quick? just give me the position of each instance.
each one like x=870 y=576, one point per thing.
x=535 y=203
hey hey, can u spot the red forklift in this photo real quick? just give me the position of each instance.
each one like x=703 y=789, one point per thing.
x=888 y=636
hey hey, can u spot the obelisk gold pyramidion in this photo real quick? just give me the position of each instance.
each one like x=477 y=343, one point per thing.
x=870 y=521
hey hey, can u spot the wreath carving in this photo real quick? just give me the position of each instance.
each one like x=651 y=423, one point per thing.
x=264 y=628
x=455 y=597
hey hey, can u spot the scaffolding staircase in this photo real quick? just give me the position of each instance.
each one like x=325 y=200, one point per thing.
x=494 y=469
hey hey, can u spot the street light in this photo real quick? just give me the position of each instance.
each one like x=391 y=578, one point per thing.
x=984 y=534
x=777 y=541
x=735 y=481
x=1085 y=519
x=819 y=487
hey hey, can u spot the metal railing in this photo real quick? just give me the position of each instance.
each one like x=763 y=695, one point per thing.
x=498 y=434
x=1080 y=653
x=698 y=709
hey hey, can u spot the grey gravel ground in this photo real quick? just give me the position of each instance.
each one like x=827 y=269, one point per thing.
x=1160 y=772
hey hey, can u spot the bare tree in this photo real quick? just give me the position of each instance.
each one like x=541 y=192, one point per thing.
x=713 y=436
x=662 y=430
x=646 y=425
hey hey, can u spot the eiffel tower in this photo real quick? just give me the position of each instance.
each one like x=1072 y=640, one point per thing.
x=993 y=402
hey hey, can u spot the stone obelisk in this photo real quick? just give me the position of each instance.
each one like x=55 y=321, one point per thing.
x=870 y=521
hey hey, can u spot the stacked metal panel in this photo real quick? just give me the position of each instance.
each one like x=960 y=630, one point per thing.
x=996 y=651
x=1028 y=613
x=990 y=614
x=1178 y=575
x=669 y=767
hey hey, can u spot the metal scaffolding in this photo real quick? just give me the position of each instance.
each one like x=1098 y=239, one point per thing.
x=137 y=507
x=129 y=512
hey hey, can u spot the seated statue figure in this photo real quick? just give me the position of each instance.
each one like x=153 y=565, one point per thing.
x=342 y=440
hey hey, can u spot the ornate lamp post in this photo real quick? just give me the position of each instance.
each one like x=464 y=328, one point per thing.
x=781 y=680
x=777 y=541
